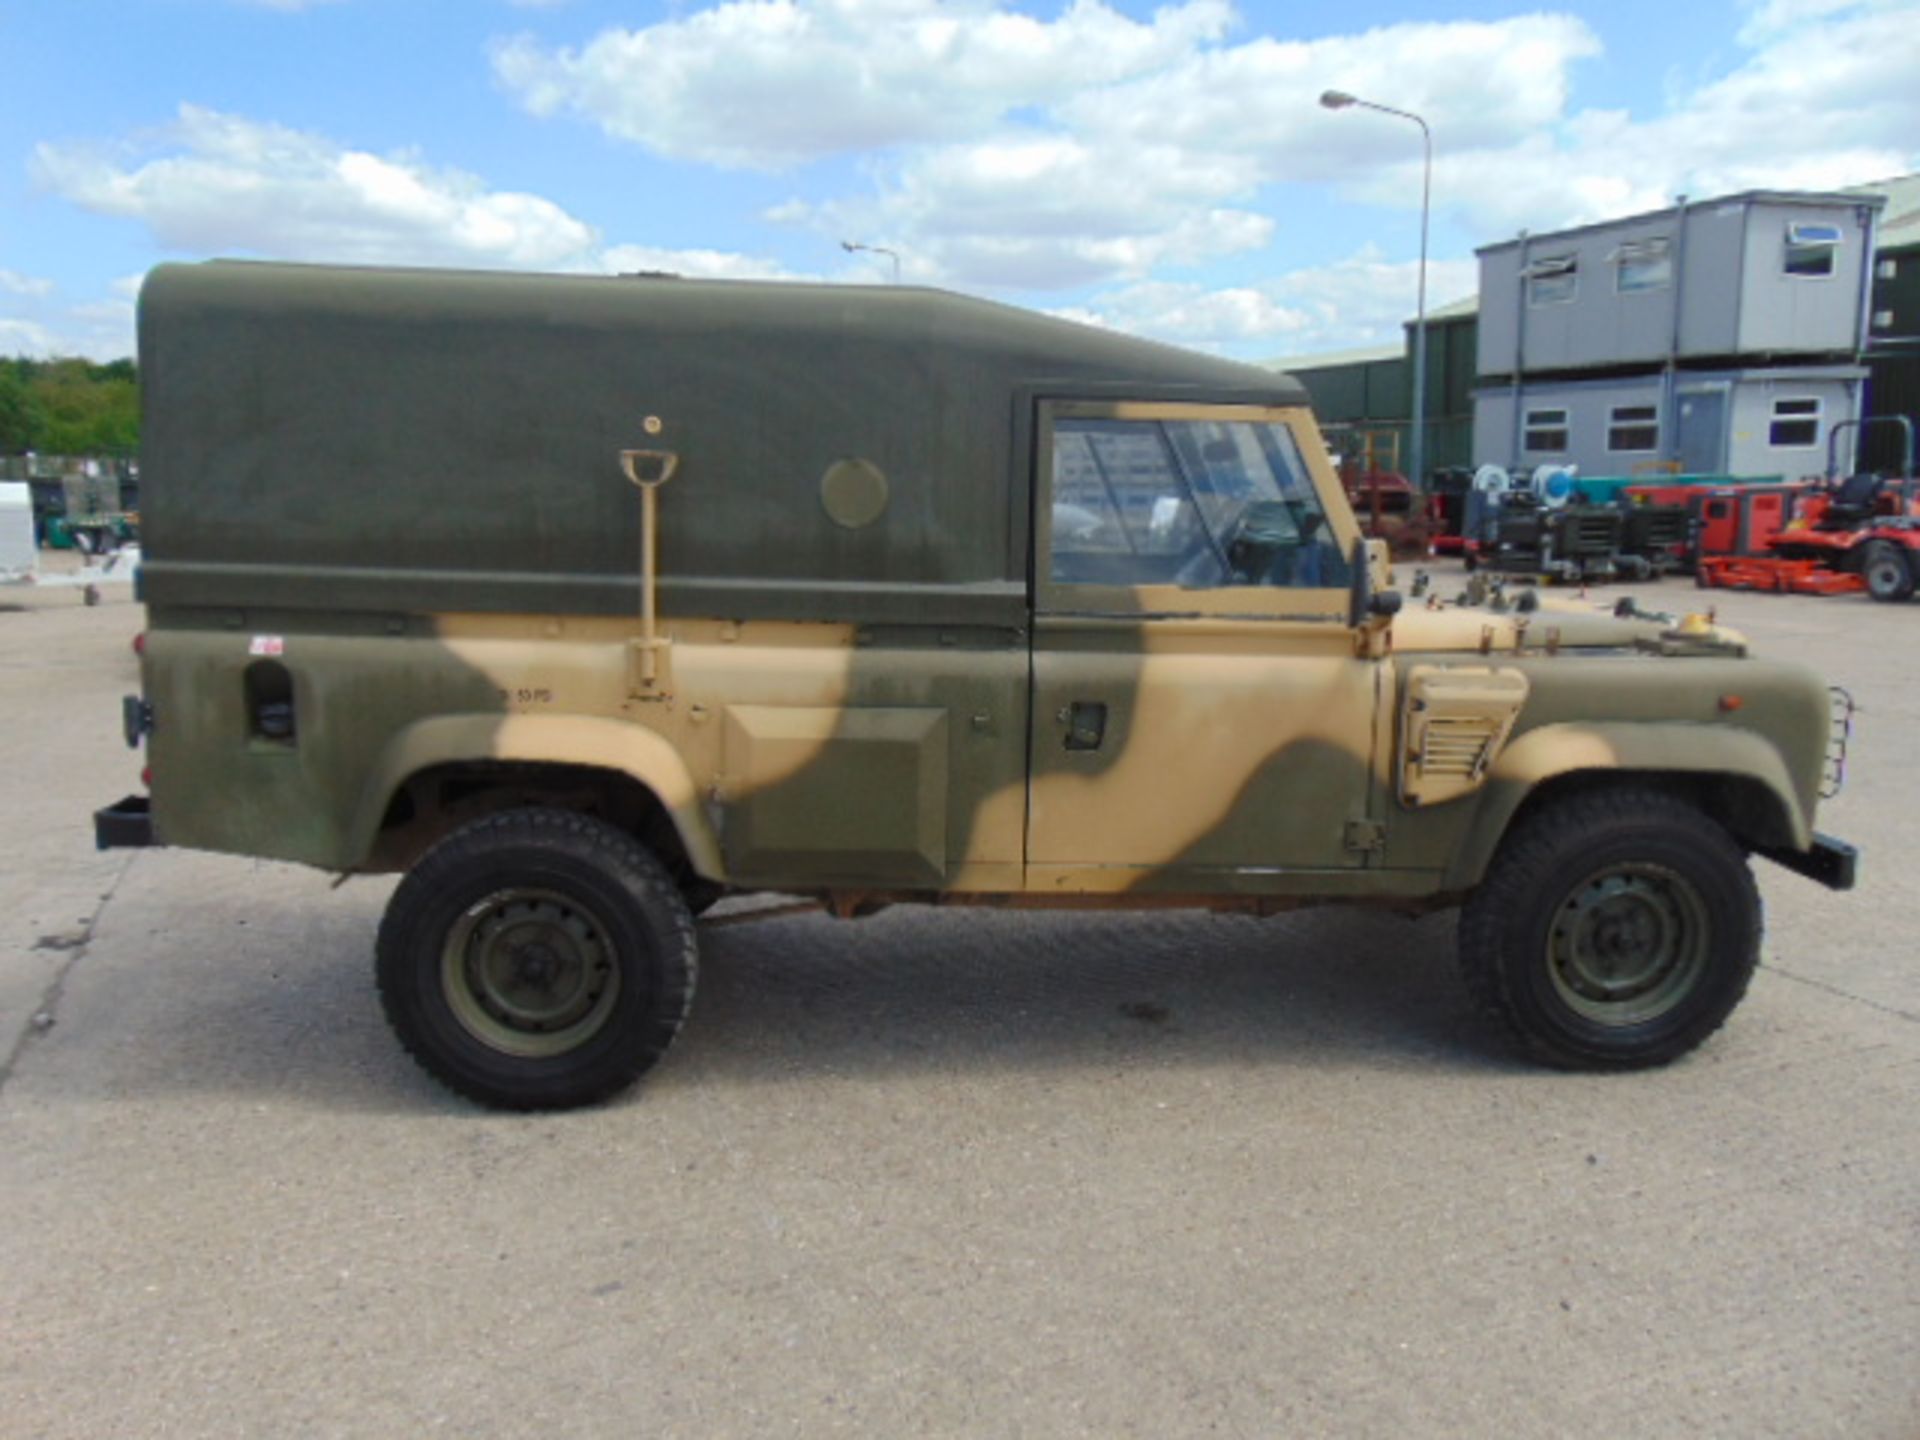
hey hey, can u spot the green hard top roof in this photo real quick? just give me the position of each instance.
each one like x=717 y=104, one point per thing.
x=1031 y=346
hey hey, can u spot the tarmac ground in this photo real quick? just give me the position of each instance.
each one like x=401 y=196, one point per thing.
x=952 y=1173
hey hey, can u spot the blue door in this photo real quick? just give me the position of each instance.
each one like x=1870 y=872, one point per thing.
x=1701 y=443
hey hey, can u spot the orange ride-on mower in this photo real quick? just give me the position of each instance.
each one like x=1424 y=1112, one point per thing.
x=1844 y=536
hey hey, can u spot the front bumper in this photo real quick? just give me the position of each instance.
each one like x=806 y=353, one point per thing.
x=1834 y=863
x=126 y=825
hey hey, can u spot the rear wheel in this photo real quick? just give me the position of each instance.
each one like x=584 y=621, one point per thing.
x=537 y=960
x=1616 y=929
x=1888 y=570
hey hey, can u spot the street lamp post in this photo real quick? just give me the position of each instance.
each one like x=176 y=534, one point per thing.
x=1340 y=100
x=852 y=245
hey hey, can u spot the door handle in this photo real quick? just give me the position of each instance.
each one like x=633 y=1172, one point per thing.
x=1086 y=722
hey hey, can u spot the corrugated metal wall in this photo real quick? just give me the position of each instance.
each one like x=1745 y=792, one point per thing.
x=1360 y=390
x=1893 y=388
x=1377 y=394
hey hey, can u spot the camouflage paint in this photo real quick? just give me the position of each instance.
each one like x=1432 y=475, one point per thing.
x=403 y=492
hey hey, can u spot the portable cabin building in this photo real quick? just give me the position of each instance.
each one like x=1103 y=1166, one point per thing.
x=1754 y=421
x=1760 y=274
x=1723 y=336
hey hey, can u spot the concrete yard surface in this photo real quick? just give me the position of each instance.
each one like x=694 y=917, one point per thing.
x=941 y=1173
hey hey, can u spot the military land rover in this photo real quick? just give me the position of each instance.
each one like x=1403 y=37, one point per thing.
x=586 y=601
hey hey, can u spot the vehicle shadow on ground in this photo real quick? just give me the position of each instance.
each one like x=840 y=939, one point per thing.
x=295 y=1014
x=917 y=990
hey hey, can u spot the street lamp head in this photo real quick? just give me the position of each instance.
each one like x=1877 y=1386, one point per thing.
x=1336 y=99
x=849 y=246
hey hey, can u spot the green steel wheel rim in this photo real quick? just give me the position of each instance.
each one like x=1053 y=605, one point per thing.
x=1629 y=944
x=529 y=972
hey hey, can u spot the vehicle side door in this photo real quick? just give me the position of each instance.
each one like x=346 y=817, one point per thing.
x=1203 y=719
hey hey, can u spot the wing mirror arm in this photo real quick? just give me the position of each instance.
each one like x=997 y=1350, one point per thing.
x=1364 y=603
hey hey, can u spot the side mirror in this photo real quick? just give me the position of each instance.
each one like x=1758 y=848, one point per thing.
x=1364 y=603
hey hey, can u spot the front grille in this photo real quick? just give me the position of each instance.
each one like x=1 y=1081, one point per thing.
x=1839 y=733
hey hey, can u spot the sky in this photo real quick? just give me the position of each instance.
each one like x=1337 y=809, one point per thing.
x=1162 y=170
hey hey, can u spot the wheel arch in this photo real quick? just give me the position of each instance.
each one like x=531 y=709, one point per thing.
x=526 y=745
x=1736 y=777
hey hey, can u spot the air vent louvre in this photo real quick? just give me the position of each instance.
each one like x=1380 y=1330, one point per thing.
x=1454 y=720
x=1455 y=746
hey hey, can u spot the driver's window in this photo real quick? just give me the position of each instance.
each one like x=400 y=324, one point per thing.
x=1194 y=503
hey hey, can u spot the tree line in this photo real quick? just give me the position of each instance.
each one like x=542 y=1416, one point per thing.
x=69 y=407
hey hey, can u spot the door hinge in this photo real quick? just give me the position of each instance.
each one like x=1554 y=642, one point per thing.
x=1366 y=836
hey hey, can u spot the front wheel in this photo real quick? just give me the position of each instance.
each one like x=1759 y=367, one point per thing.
x=537 y=960
x=1888 y=573
x=1615 y=930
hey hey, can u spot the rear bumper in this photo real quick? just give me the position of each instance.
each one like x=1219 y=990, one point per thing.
x=1834 y=863
x=126 y=825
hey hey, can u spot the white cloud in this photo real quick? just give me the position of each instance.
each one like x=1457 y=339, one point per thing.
x=1769 y=19
x=1011 y=150
x=693 y=264
x=772 y=83
x=213 y=183
x=290 y=6
x=1356 y=301
x=1823 y=97
x=27 y=337
x=1193 y=315
x=1043 y=211
x=1082 y=146
x=221 y=183
x=98 y=329
x=12 y=282
x=1472 y=80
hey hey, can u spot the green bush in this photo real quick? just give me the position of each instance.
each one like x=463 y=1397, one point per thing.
x=69 y=407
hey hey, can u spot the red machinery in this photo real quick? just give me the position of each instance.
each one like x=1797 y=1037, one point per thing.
x=1833 y=538
x=1383 y=499
x=1445 y=511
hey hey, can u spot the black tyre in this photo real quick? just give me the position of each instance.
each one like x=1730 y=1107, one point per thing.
x=537 y=960
x=1888 y=570
x=1615 y=930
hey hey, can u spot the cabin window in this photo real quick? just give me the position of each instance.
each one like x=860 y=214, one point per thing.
x=1811 y=250
x=1195 y=503
x=1633 y=429
x=1546 y=432
x=1643 y=265
x=1553 y=280
x=1796 y=423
